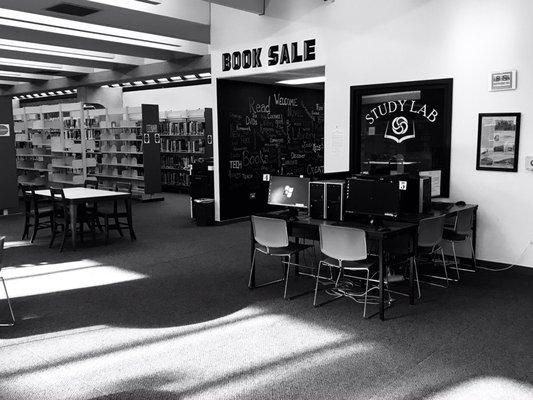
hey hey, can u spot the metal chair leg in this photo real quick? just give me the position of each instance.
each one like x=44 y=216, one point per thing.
x=316 y=285
x=287 y=277
x=455 y=260
x=366 y=292
x=252 y=267
x=416 y=277
x=445 y=269
x=473 y=253
x=9 y=305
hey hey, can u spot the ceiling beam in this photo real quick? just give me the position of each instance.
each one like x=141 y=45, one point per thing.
x=156 y=23
x=19 y=78
x=43 y=70
x=117 y=62
x=184 y=66
x=253 y=6
x=83 y=43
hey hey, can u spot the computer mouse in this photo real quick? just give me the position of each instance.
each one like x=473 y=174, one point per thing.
x=460 y=203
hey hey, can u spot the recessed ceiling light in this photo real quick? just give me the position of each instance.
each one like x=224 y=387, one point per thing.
x=162 y=80
x=150 y=81
x=115 y=85
x=176 y=78
x=59 y=92
x=51 y=93
x=15 y=97
x=303 y=81
x=68 y=91
x=126 y=84
x=43 y=94
x=35 y=95
x=190 y=76
x=205 y=75
x=139 y=83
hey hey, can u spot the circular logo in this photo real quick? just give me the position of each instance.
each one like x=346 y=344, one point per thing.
x=4 y=130
x=400 y=125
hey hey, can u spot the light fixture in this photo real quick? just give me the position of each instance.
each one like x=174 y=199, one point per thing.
x=43 y=94
x=35 y=95
x=126 y=84
x=162 y=80
x=51 y=93
x=29 y=64
x=189 y=77
x=303 y=81
x=59 y=92
x=205 y=75
x=53 y=25
x=15 y=98
x=150 y=82
x=138 y=83
x=176 y=78
x=125 y=3
x=68 y=91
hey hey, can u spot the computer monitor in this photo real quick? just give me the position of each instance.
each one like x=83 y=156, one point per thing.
x=288 y=191
x=373 y=197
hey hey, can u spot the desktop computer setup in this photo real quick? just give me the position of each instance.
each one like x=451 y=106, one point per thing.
x=372 y=197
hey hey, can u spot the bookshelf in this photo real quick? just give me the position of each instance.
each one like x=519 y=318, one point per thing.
x=186 y=138
x=121 y=154
x=51 y=145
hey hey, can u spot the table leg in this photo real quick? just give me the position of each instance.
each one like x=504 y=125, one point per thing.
x=73 y=219
x=411 y=281
x=381 y=282
x=130 y=219
x=297 y=258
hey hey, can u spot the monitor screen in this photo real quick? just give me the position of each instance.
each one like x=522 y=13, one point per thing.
x=372 y=197
x=288 y=191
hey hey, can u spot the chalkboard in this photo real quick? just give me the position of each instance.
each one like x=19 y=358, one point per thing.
x=265 y=129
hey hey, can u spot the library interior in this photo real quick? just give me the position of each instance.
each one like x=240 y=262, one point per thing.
x=266 y=199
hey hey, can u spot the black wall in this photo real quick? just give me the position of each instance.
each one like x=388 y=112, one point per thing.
x=8 y=165
x=265 y=129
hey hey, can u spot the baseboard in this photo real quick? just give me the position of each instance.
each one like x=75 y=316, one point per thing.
x=495 y=265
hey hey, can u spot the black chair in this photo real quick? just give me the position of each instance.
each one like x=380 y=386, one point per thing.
x=38 y=212
x=12 y=322
x=60 y=216
x=118 y=215
x=88 y=212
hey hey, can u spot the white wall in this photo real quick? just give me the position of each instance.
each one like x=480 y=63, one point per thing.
x=174 y=98
x=376 y=41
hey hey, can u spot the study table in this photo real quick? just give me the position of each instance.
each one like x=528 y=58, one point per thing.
x=305 y=227
x=80 y=195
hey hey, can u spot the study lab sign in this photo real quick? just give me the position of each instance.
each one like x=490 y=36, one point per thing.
x=276 y=54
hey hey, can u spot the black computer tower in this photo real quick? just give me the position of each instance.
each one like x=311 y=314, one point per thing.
x=418 y=195
x=326 y=200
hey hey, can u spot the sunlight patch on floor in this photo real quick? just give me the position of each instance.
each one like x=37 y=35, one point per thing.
x=487 y=388
x=206 y=359
x=32 y=279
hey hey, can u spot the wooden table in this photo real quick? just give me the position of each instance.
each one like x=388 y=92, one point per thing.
x=80 y=195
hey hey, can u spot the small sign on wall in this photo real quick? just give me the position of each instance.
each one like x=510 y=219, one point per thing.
x=4 y=130
x=503 y=80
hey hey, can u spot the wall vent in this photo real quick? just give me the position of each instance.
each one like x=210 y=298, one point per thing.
x=72 y=9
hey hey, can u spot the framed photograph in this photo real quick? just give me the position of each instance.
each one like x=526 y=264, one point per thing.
x=497 y=142
x=503 y=80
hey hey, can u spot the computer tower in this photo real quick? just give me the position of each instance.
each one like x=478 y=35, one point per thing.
x=326 y=200
x=418 y=195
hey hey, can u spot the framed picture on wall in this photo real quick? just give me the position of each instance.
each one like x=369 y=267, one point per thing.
x=497 y=142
